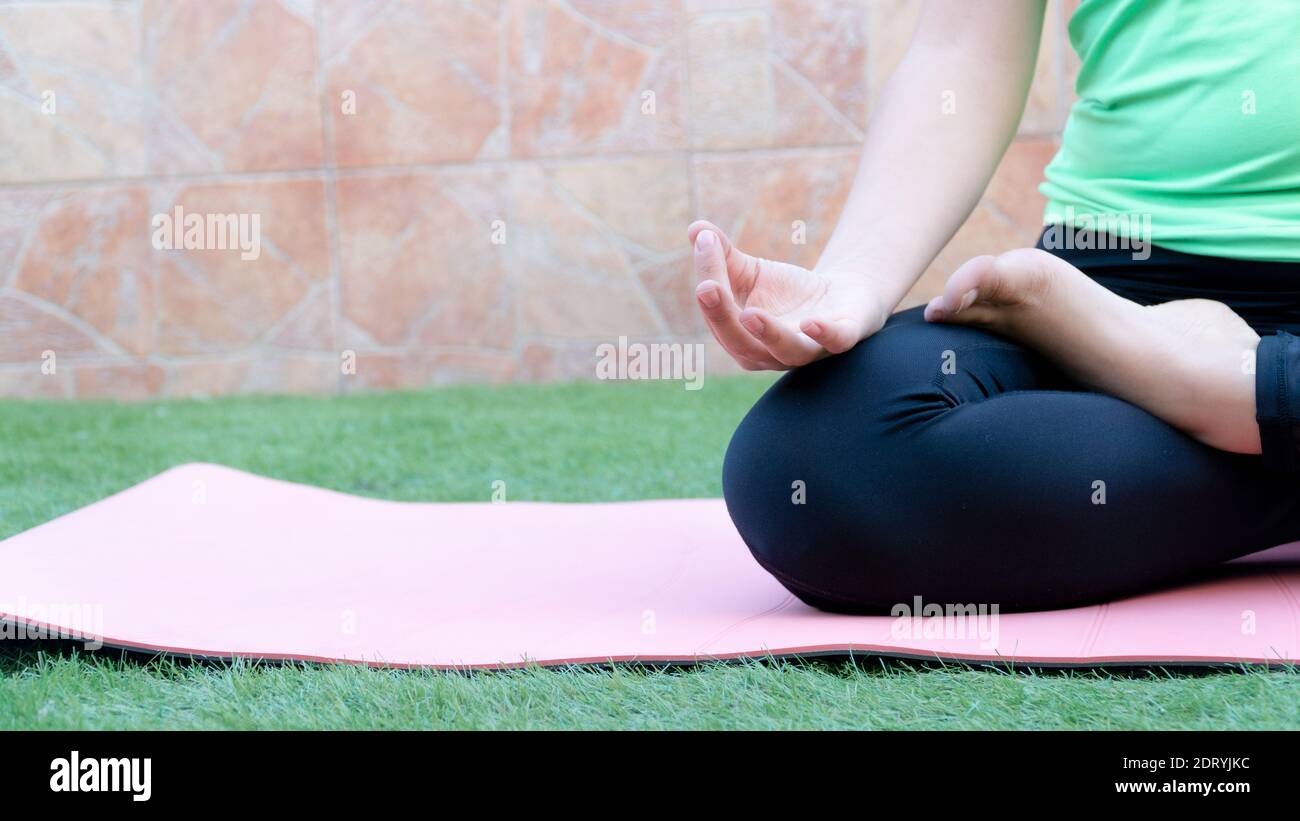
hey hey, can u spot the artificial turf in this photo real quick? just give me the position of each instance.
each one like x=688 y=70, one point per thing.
x=573 y=442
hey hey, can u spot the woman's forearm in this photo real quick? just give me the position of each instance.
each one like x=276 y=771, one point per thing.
x=939 y=129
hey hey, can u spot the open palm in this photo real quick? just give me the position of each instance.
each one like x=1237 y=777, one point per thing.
x=774 y=315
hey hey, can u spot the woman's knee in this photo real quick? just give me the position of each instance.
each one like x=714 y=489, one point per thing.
x=812 y=480
x=823 y=534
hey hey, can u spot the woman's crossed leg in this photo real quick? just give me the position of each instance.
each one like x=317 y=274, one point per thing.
x=947 y=462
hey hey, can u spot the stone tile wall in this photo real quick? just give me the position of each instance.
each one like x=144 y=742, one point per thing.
x=447 y=190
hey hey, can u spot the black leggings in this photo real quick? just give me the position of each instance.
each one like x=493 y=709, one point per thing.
x=949 y=463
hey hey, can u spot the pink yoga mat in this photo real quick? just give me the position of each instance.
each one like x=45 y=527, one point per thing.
x=208 y=561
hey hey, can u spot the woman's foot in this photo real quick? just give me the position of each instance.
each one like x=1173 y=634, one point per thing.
x=1189 y=362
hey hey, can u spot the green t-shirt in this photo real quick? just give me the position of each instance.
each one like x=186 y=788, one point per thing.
x=1188 y=120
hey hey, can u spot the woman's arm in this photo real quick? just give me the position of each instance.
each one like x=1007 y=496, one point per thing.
x=939 y=129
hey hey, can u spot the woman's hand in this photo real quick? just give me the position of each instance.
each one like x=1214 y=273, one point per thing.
x=774 y=315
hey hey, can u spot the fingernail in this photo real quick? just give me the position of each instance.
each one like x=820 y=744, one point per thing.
x=934 y=311
x=704 y=241
x=812 y=328
x=707 y=293
x=753 y=324
x=967 y=300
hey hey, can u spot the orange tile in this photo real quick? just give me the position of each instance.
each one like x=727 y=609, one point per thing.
x=236 y=86
x=385 y=371
x=822 y=51
x=413 y=82
x=75 y=106
x=575 y=278
x=32 y=327
x=125 y=381
x=557 y=361
x=413 y=283
x=589 y=76
x=215 y=301
x=30 y=383
x=270 y=372
x=767 y=203
x=418 y=265
x=88 y=253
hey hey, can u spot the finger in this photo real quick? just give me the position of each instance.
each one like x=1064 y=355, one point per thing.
x=835 y=335
x=722 y=316
x=742 y=269
x=787 y=344
x=719 y=308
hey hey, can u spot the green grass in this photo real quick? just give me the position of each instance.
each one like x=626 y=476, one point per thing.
x=582 y=442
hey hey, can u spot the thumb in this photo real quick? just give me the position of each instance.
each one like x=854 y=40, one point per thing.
x=740 y=268
x=710 y=260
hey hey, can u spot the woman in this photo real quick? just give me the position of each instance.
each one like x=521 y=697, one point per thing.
x=1063 y=425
